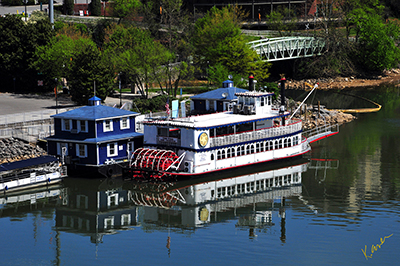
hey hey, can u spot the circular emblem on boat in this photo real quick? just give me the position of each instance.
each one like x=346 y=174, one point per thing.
x=203 y=139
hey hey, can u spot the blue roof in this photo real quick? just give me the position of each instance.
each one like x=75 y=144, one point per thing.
x=95 y=98
x=217 y=94
x=96 y=112
x=27 y=163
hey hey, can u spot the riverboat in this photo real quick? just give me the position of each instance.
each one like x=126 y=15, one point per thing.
x=30 y=173
x=248 y=133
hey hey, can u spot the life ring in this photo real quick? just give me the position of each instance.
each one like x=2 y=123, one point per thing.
x=109 y=172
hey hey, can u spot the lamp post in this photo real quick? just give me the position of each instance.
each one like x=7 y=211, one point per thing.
x=120 y=91
x=55 y=92
x=25 y=2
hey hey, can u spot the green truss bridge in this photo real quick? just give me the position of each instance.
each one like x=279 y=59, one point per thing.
x=285 y=48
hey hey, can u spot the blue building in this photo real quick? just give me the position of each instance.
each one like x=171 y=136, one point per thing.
x=94 y=138
x=217 y=100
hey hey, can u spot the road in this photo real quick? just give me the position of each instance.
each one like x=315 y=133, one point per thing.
x=13 y=9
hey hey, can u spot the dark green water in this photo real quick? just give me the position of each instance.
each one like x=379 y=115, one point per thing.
x=346 y=204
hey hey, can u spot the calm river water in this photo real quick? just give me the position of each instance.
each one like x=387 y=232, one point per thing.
x=340 y=206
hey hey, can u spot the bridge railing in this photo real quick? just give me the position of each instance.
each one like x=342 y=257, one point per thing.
x=283 y=48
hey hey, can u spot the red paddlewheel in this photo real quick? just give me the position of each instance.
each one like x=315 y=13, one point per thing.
x=156 y=160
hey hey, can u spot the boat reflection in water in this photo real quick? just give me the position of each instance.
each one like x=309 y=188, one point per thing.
x=103 y=207
x=21 y=203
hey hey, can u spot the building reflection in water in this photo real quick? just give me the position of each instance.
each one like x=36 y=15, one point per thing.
x=102 y=207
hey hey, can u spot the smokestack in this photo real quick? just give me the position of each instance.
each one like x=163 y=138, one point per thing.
x=282 y=108
x=251 y=83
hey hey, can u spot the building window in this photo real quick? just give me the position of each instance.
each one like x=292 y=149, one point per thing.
x=107 y=125
x=112 y=149
x=82 y=126
x=124 y=123
x=66 y=124
x=125 y=219
x=81 y=150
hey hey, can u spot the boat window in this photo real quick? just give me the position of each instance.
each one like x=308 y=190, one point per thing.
x=280 y=144
x=212 y=156
x=228 y=153
x=276 y=145
x=244 y=127
x=243 y=152
x=257 y=147
x=175 y=133
x=162 y=132
x=289 y=142
x=252 y=149
x=233 y=152
x=238 y=151
x=262 y=101
x=247 y=149
x=262 y=146
x=285 y=143
x=223 y=154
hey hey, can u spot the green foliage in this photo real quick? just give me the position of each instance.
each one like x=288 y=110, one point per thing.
x=377 y=44
x=80 y=62
x=99 y=31
x=19 y=41
x=282 y=20
x=218 y=40
x=95 y=7
x=155 y=104
x=132 y=51
x=125 y=8
x=88 y=70
x=68 y=6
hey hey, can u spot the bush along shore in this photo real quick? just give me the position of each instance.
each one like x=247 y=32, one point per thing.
x=15 y=150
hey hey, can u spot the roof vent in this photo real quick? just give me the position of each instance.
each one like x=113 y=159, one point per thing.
x=224 y=95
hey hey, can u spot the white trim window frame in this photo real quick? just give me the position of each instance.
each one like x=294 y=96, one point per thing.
x=124 y=123
x=85 y=126
x=108 y=125
x=81 y=150
x=66 y=124
x=112 y=149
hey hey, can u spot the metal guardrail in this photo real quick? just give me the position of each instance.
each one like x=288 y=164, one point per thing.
x=255 y=135
x=321 y=130
x=283 y=48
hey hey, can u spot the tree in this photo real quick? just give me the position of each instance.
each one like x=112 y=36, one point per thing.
x=88 y=72
x=377 y=44
x=125 y=8
x=169 y=22
x=132 y=51
x=218 y=40
x=95 y=7
x=78 y=60
x=19 y=41
x=68 y=7
x=277 y=21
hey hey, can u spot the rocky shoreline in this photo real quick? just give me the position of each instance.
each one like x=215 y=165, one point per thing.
x=343 y=83
x=15 y=150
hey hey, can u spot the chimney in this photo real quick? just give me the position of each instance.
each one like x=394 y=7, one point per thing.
x=251 y=83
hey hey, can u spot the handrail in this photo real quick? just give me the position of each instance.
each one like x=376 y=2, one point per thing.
x=255 y=135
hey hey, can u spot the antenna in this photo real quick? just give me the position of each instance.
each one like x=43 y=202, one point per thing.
x=94 y=87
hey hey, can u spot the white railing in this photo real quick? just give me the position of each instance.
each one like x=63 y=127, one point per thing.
x=255 y=135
